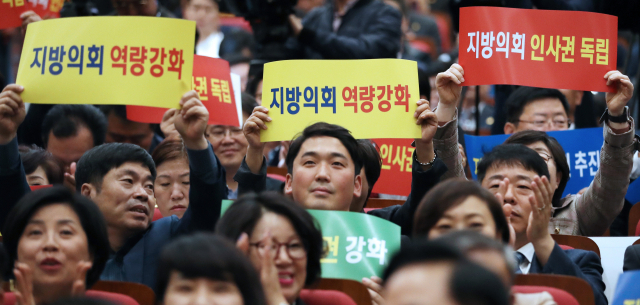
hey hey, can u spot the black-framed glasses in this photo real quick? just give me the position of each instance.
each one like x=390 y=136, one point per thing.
x=558 y=123
x=295 y=250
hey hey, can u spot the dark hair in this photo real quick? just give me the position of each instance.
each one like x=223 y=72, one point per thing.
x=169 y=149
x=4 y=262
x=209 y=256
x=470 y=284
x=91 y=219
x=372 y=163
x=524 y=95
x=449 y=194
x=34 y=157
x=512 y=155
x=65 y=120
x=527 y=137
x=120 y=111
x=248 y=103
x=245 y=213
x=326 y=130
x=467 y=241
x=254 y=81
x=98 y=161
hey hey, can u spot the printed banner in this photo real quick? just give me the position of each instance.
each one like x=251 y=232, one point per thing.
x=80 y=61
x=583 y=156
x=10 y=10
x=397 y=162
x=627 y=292
x=212 y=80
x=358 y=245
x=372 y=98
x=539 y=48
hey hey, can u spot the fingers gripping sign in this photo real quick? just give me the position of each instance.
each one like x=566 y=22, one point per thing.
x=251 y=129
x=12 y=112
x=449 y=86
x=191 y=121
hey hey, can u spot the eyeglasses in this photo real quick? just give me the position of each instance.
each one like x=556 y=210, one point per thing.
x=295 y=250
x=123 y=4
x=558 y=123
x=220 y=133
x=545 y=156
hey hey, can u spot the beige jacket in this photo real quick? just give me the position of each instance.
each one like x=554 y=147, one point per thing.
x=589 y=214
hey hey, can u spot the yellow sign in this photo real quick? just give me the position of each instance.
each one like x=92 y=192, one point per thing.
x=373 y=98
x=146 y=61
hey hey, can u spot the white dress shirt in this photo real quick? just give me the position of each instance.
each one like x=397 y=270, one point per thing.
x=210 y=46
x=528 y=251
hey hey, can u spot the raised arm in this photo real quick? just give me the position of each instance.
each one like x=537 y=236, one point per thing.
x=13 y=181
x=252 y=174
x=449 y=85
x=207 y=176
x=603 y=200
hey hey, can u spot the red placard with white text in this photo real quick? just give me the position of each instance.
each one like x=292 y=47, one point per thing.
x=212 y=80
x=539 y=48
x=10 y=10
x=395 y=176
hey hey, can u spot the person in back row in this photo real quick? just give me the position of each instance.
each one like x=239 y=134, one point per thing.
x=590 y=214
x=119 y=179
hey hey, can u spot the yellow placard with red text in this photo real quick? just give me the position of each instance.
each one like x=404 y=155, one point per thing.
x=144 y=61
x=373 y=98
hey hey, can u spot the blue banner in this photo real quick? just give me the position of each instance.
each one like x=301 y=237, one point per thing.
x=627 y=292
x=633 y=193
x=581 y=146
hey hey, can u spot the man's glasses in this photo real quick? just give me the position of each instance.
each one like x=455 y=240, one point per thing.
x=558 y=123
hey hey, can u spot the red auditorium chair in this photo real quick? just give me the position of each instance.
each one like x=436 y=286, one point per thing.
x=322 y=297
x=560 y=296
x=116 y=298
x=577 y=287
x=576 y=242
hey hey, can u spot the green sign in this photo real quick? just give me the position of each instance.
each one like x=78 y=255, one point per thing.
x=357 y=245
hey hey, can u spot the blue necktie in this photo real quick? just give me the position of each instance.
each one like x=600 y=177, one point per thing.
x=520 y=258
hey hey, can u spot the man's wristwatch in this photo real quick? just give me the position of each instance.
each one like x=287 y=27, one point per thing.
x=623 y=118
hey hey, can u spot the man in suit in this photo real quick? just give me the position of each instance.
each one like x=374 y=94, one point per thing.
x=519 y=177
x=632 y=258
x=119 y=179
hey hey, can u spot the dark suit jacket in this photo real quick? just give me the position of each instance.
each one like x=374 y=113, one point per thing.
x=579 y=263
x=632 y=258
x=402 y=215
x=140 y=256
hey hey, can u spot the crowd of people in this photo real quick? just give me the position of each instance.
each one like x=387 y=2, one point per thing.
x=462 y=241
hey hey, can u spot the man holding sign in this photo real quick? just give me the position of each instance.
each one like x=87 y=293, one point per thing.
x=590 y=214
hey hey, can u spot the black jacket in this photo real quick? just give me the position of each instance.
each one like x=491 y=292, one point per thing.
x=632 y=258
x=370 y=29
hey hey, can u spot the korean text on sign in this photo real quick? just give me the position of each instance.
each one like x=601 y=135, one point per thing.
x=371 y=98
x=567 y=50
x=79 y=61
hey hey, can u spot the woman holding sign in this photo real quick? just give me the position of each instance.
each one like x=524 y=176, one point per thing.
x=280 y=238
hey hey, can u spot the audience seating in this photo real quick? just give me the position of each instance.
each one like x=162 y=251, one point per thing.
x=577 y=242
x=282 y=171
x=355 y=290
x=277 y=177
x=637 y=242
x=634 y=220
x=560 y=296
x=116 y=298
x=377 y=203
x=321 y=297
x=577 y=287
x=141 y=293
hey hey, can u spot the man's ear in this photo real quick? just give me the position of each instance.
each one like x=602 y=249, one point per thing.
x=510 y=128
x=288 y=188
x=88 y=190
x=357 y=187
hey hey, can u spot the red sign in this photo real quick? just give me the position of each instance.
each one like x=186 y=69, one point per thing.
x=37 y=187
x=395 y=177
x=212 y=80
x=539 y=48
x=10 y=10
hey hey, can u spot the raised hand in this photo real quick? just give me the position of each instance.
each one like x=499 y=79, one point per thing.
x=538 y=228
x=191 y=121
x=624 y=90
x=168 y=123
x=251 y=129
x=269 y=273
x=80 y=284
x=428 y=122
x=12 y=112
x=449 y=86
x=28 y=17
x=506 y=209
x=374 y=285
x=70 y=177
x=24 y=287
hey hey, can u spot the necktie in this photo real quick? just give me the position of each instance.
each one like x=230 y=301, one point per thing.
x=521 y=259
